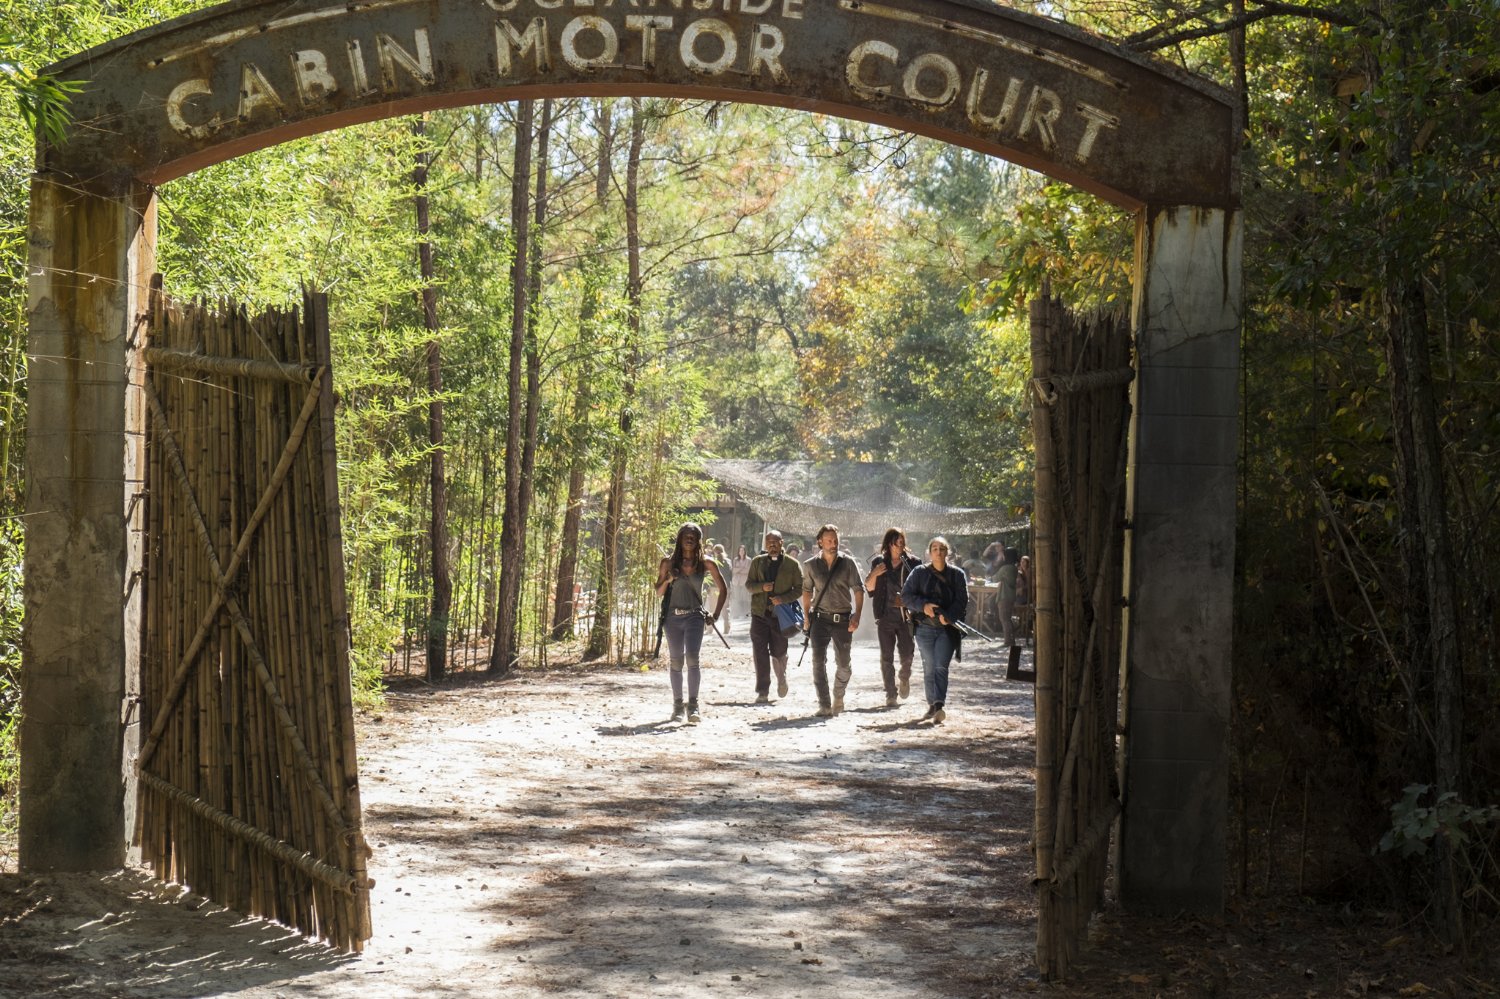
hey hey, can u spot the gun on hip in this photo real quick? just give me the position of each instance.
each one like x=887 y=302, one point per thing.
x=661 y=624
x=807 y=635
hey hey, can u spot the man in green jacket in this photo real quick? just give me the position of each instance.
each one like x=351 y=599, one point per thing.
x=773 y=579
x=1005 y=575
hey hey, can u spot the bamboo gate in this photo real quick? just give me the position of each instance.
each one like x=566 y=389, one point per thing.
x=249 y=790
x=1081 y=372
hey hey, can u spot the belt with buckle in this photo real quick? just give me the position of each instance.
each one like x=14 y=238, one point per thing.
x=834 y=618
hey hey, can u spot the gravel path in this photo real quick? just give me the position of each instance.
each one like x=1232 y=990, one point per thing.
x=555 y=834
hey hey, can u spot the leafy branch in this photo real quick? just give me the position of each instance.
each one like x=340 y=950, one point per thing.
x=43 y=99
x=1167 y=33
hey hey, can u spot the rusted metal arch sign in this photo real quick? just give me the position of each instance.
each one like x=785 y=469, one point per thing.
x=212 y=85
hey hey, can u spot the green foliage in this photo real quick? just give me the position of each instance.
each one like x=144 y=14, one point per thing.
x=893 y=366
x=1371 y=177
x=1414 y=826
x=41 y=98
x=11 y=609
x=1062 y=238
x=1449 y=828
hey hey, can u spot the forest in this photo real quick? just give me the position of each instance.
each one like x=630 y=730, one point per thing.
x=702 y=280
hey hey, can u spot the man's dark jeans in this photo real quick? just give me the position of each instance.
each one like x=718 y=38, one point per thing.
x=894 y=632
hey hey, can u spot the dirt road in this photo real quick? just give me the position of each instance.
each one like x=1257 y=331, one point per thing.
x=555 y=834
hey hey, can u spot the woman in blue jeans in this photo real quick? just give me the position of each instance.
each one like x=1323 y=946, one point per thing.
x=679 y=579
x=937 y=594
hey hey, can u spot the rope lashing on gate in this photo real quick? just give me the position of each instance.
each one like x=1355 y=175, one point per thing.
x=302 y=860
x=1051 y=388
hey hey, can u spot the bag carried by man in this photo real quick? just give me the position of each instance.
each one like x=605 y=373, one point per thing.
x=789 y=618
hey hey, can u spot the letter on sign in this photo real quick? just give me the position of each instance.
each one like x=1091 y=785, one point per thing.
x=598 y=26
x=393 y=55
x=256 y=92
x=534 y=40
x=861 y=52
x=314 y=82
x=179 y=96
x=689 y=46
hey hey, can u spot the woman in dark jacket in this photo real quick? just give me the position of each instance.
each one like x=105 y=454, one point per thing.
x=937 y=594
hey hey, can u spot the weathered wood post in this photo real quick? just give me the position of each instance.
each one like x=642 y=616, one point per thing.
x=1180 y=559
x=91 y=257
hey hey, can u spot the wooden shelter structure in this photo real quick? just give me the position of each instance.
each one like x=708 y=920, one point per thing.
x=862 y=497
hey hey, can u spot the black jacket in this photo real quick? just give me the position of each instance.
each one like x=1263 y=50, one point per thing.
x=887 y=591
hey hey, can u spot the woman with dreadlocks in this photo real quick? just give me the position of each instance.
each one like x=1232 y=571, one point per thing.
x=679 y=579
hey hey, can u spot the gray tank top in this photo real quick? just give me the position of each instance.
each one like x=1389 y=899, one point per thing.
x=687 y=591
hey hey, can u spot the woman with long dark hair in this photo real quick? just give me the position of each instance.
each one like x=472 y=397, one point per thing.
x=884 y=581
x=680 y=578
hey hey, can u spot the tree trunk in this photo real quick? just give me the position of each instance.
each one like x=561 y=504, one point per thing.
x=563 y=606
x=606 y=597
x=1427 y=550
x=503 y=653
x=605 y=129
x=533 y=354
x=487 y=542
x=442 y=582
x=1431 y=605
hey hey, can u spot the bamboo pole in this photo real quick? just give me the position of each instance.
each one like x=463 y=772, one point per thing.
x=359 y=849
x=273 y=811
x=317 y=713
x=1045 y=583
x=187 y=363
x=292 y=626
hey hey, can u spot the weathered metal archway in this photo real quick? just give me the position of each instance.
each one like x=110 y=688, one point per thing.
x=239 y=77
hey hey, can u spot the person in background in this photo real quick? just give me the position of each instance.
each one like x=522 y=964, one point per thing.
x=720 y=556
x=831 y=584
x=679 y=578
x=1023 y=598
x=739 y=597
x=888 y=572
x=937 y=594
x=773 y=578
x=992 y=557
x=1005 y=575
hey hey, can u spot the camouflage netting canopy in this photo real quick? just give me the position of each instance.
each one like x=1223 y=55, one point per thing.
x=862 y=498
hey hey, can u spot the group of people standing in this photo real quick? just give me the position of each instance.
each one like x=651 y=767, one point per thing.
x=917 y=607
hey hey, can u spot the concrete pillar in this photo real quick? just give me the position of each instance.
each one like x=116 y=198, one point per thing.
x=83 y=543
x=1180 y=561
